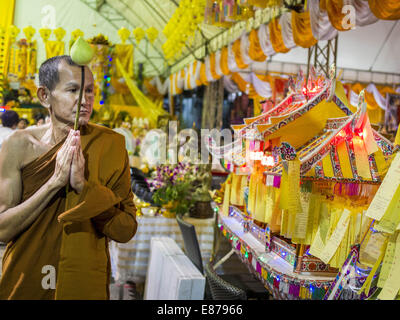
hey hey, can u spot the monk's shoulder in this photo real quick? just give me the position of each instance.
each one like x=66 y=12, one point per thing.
x=18 y=139
x=15 y=145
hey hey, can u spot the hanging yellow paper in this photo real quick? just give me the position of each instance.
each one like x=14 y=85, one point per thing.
x=243 y=185
x=386 y=191
x=361 y=155
x=284 y=188
x=235 y=182
x=301 y=223
x=293 y=185
x=371 y=248
x=391 y=218
x=269 y=204
x=336 y=237
x=381 y=163
x=315 y=214
x=327 y=166
x=387 y=262
x=227 y=195
x=344 y=160
x=392 y=284
x=260 y=203
x=284 y=223
x=277 y=212
x=321 y=235
x=367 y=284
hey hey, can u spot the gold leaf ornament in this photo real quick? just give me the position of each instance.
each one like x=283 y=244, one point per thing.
x=45 y=34
x=139 y=34
x=76 y=34
x=29 y=33
x=60 y=33
x=152 y=34
x=124 y=34
x=13 y=31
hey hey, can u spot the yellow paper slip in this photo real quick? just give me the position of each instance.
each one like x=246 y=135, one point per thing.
x=372 y=248
x=318 y=243
x=284 y=203
x=294 y=186
x=336 y=237
x=392 y=284
x=315 y=214
x=386 y=191
x=227 y=195
x=387 y=260
x=345 y=165
x=391 y=218
x=301 y=222
x=361 y=155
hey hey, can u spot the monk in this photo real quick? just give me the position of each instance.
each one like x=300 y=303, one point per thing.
x=57 y=241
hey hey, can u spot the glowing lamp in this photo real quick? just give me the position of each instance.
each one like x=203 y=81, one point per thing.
x=268 y=161
x=256 y=155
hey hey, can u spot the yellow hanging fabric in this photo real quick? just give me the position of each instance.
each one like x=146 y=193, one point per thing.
x=124 y=53
x=243 y=85
x=227 y=196
x=149 y=108
x=255 y=52
x=54 y=48
x=334 y=10
x=171 y=85
x=361 y=155
x=375 y=112
x=152 y=90
x=385 y=9
x=238 y=54
x=301 y=26
x=7 y=8
x=327 y=166
x=261 y=191
x=7 y=13
x=203 y=76
x=224 y=61
x=212 y=67
x=187 y=77
x=275 y=34
x=344 y=161
x=31 y=59
x=176 y=79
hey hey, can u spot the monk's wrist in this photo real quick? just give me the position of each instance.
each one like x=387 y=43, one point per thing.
x=79 y=187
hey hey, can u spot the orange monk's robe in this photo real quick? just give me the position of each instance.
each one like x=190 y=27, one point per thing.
x=71 y=235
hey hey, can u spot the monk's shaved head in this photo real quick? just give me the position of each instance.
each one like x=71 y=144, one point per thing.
x=49 y=75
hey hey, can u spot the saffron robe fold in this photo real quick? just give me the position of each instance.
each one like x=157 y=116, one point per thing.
x=73 y=231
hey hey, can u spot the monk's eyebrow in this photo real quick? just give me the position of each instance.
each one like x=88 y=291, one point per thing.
x=72 y=84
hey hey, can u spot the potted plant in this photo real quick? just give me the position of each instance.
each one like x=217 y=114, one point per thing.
x=172 y=188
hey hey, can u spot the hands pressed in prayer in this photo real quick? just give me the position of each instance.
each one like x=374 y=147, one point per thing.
x=63 y=161
x=77 y=176
x=70 y=163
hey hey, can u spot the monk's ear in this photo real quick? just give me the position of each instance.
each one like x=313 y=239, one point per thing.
x=43 y=95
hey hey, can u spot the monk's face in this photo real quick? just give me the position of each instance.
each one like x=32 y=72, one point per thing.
x=64 y=97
